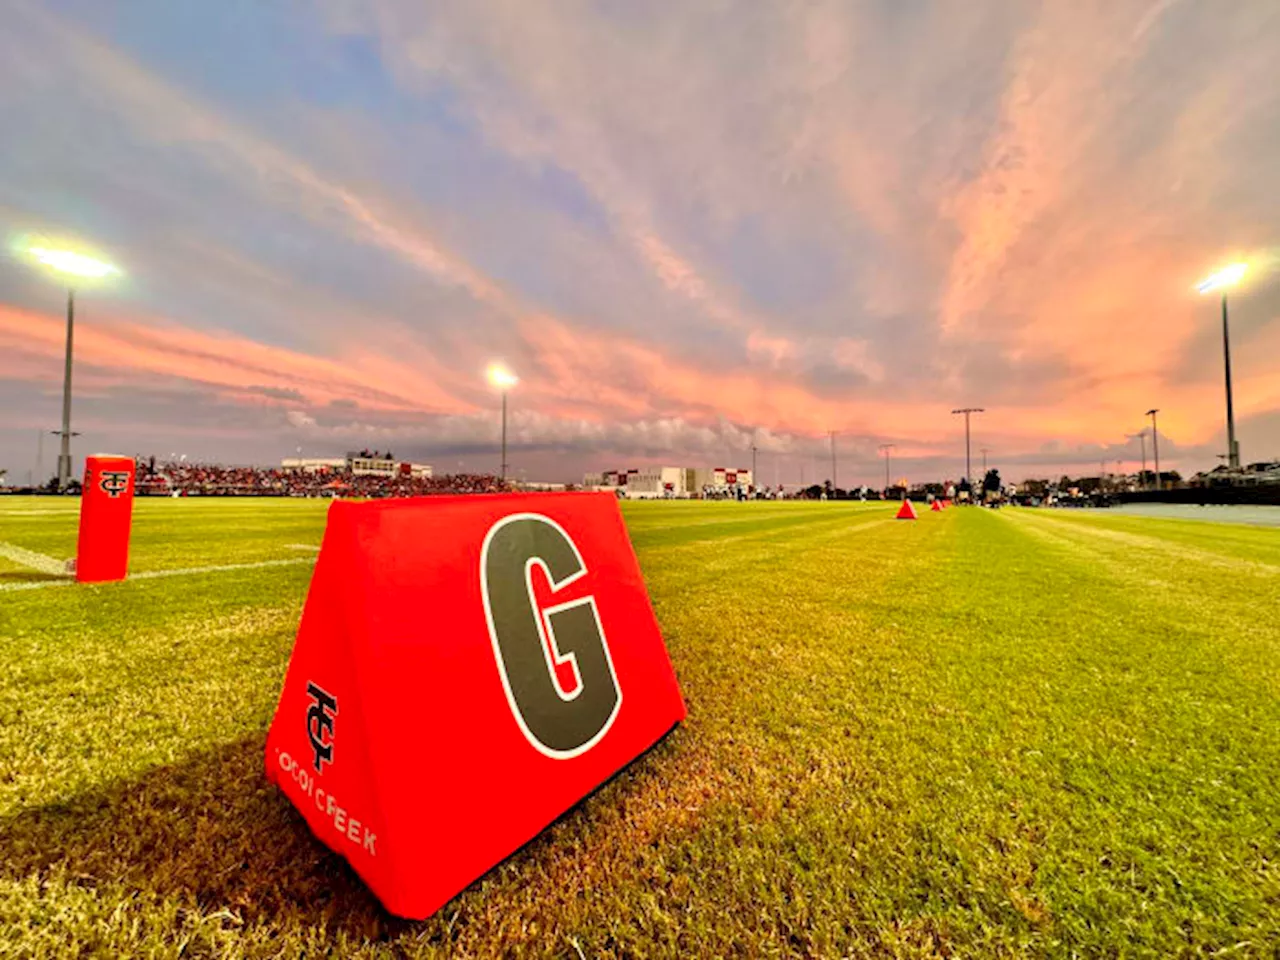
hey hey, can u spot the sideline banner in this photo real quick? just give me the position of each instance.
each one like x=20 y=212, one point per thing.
x=106 y=519
x=466 y=670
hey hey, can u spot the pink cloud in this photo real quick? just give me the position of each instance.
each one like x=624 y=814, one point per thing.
x=122 y=351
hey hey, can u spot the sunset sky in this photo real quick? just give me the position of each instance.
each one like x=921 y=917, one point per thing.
x=684 y=225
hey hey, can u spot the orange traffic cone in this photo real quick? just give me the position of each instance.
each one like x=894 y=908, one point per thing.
x=906 y=511
x=937 y=506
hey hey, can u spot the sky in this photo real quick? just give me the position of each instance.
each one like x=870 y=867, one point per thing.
x=688 y=227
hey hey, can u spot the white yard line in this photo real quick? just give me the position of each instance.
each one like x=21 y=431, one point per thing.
x=187 y=571
x=303 y=546
x=31 y=559
x=155 y=574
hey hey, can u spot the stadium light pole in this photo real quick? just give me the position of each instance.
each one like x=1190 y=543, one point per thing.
x=834 y=483
x=968 y=469
x=1141 y=437
x=887 y=450
x=1155 y=443
x=502 y=379
x=71 y=264
x=1223 y=280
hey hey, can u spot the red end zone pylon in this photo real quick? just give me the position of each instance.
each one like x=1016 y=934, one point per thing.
x=937 y=506
x=106 y=519
x=466 y=670
x=906 y=511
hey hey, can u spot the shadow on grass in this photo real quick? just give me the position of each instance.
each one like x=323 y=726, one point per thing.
x=30 y=576
x=209 y=832
x=213 y=833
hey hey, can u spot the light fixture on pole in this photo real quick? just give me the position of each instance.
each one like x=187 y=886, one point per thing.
x=887 y=450
x=78 y=265
x=968 y=470
x=1222 y=280
x=502 y=379
x=1155 y=444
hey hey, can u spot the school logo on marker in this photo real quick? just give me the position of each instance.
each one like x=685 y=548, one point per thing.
x=114 y=482
x=320 y=725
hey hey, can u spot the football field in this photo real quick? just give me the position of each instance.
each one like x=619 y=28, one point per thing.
x=979 y=734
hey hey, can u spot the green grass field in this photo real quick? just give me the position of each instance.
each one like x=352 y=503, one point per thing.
x=976 y=735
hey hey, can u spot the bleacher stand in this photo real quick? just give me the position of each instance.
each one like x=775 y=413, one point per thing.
x=181 y=478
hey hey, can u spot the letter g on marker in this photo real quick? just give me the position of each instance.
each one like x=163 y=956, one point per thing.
x=528 y=643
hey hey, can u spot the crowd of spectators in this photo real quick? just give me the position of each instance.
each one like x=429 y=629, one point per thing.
x=181 y=478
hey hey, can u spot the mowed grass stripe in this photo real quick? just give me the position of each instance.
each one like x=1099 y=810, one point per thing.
x=1232 y=540
x=1181 y=607
x=775 y=530
x=1117 y=704
x=1180 y=579
x=1257 y=552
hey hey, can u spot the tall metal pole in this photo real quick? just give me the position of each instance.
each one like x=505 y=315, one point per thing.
x=887 y=450
x=504 y=436
x=834 y=483
x=1233 y=450
x=968 y=471
x=968 y=465
x=1141 y=437
x=1155 y=443
x=64 y=453
x=754 y=481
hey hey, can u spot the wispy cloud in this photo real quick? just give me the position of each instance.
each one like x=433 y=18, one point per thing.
x=683 y=226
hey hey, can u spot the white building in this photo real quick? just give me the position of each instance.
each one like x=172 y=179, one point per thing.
x=653 y=483
x=382 y=467
x=359 y=465
x=721 y=477
x=656 y=483
x=313 y=464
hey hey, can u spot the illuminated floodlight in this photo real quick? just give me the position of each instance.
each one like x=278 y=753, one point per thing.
x=77 y=264
x=1226 y=277
x=500 y=377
